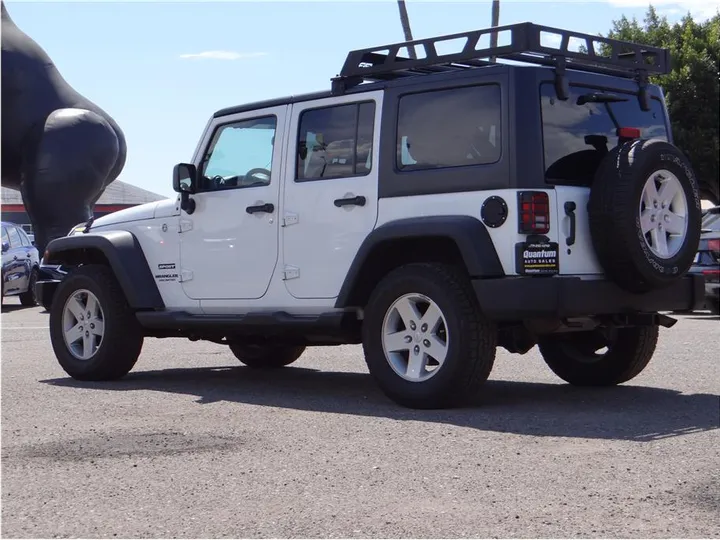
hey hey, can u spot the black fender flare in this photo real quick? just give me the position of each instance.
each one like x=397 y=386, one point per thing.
x=125 y=257
x=468 y=233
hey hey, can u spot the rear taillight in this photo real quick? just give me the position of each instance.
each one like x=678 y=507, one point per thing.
x=628 y=133
x=534 y=217
x=714 y=245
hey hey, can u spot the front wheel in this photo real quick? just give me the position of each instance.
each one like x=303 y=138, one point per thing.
x=600 y=357
x=28 y=297
x=93 y=330
x=266 y=356
x=426 y=343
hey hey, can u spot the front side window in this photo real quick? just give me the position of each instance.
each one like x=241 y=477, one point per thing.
x=240 y=155
x=335 y=142
x=5 y=237
x=449 y=128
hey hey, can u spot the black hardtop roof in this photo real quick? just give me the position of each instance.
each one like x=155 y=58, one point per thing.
x=377 y=67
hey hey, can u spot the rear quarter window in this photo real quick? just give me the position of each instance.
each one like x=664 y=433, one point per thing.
x=575 y=135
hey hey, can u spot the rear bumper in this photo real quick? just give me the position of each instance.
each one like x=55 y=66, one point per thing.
x=523 y=298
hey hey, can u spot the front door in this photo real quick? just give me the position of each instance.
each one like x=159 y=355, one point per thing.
x=229 y=244
x=331 y=191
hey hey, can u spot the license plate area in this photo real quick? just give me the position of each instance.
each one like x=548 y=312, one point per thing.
x=537 y=258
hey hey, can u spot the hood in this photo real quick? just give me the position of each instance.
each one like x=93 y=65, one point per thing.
x=165 y=208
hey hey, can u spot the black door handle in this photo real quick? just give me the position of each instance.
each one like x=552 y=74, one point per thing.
x=352 y=201
x=570 y=212
x=14 y=257
x=267 y=208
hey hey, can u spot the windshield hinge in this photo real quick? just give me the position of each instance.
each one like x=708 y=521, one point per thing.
x=562 y=86
x=643 y=97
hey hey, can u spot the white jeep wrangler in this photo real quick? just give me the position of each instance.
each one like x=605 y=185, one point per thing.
x=431 y=209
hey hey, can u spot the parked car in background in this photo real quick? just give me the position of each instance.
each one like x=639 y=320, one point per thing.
x=707 y=260
x=20 y=264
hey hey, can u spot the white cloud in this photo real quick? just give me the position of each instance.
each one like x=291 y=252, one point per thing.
x=222 y=55
x=702 y=9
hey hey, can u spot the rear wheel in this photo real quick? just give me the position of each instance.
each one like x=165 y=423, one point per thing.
x=426 y=343
x=93 y=330
x=266 y=356
x=599 y=357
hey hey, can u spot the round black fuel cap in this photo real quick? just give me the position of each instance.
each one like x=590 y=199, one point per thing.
x=494 y=211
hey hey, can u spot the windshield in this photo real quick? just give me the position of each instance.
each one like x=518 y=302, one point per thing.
x=578 y=132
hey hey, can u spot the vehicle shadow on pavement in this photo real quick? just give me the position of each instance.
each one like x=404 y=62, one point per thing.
x=632 y=413
x=9 y=308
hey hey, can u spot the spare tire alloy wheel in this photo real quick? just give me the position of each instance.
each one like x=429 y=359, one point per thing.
x=664 y=214
x=83 y=324
x=644 y=214
x=415 y=337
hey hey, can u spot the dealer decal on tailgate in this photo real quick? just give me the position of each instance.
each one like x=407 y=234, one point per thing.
x=536 y=258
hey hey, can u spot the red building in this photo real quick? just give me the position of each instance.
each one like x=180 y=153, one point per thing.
x=117 y=196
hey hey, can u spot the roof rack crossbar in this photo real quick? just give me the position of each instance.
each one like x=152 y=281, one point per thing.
x=528 y=43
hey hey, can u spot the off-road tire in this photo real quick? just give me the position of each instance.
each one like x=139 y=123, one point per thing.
x=472 y=340
x=626 y=358
x=28 y=297
x=122 y=339
x=266 y=356
x=614 y=215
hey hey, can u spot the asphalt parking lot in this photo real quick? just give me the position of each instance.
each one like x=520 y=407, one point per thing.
x=191 y=444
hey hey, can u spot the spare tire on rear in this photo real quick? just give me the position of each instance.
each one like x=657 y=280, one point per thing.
x=645 y=215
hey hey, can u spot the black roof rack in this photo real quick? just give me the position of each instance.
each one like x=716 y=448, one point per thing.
x=528 y=43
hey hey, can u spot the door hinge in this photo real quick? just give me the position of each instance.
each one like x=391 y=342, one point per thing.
x=186 y=275
x=291 y=272
x=185 y=225
x=290 y=219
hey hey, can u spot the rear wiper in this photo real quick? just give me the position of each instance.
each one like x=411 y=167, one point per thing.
x=597 y=97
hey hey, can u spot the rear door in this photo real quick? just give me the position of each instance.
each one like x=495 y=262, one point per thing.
x=575 y=137
x=331 y=191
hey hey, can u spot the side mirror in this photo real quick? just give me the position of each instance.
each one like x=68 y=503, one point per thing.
x=5 y=247
x=184 y=178
x=184 y=182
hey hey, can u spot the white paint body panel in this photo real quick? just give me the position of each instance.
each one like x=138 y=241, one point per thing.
x=228 y=261
x=581 y=259
x=158 y=239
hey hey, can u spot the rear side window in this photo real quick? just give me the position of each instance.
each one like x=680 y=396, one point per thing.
x=24 y=238
x=15 y=241
x=576 y=134
x=449 y=128
x=335 y=142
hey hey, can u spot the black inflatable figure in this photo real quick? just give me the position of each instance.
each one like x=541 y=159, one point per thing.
x=59 y=149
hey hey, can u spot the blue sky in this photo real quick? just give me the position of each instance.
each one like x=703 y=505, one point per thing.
x=162 y=68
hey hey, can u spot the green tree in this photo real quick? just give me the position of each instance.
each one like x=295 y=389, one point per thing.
x=691 y=89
